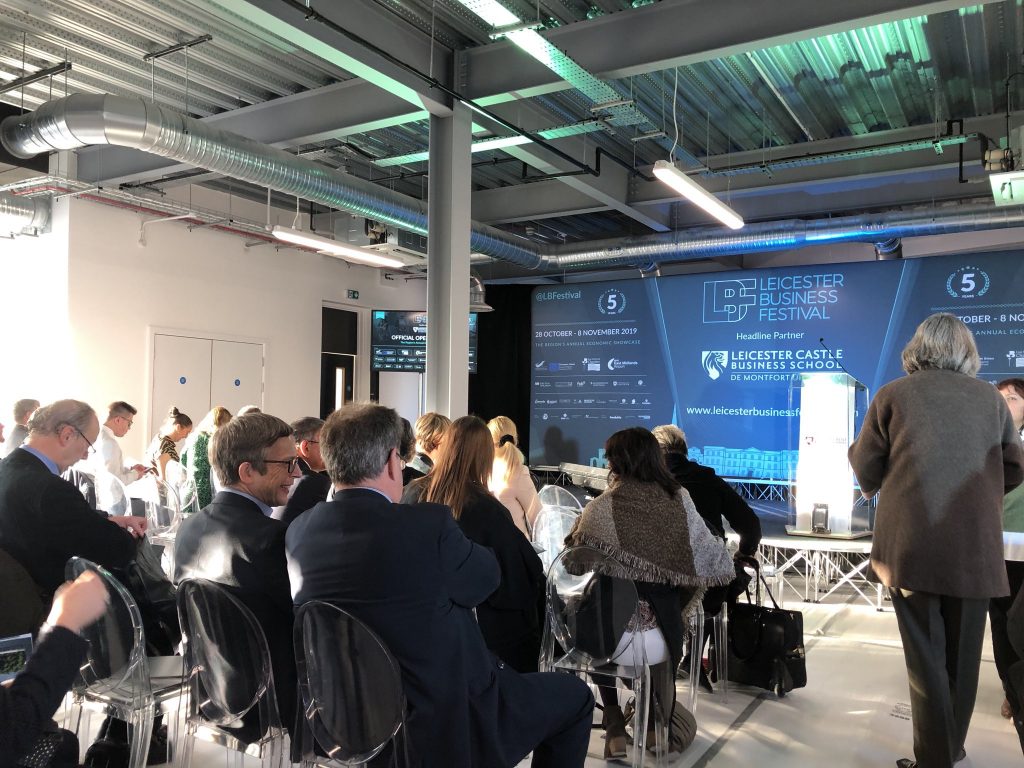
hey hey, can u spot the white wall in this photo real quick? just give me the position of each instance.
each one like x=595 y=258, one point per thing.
x=35 y=340
x=208 y=282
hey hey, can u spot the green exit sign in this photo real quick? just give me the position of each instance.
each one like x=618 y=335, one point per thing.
x=353 y=294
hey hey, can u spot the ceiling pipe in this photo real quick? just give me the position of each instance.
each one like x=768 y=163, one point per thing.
x=83 y=119
x=19 y=213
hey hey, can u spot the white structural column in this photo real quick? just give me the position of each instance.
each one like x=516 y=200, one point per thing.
x=447 y=377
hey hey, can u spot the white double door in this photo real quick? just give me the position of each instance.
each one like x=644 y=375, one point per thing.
x=194 y=374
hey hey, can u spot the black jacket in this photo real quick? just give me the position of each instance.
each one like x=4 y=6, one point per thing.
x=45 y=521
x=510 y=617
x=714 y=499
x=310 y=490
x=27 y=706
x=410 y=574
x=231 y=542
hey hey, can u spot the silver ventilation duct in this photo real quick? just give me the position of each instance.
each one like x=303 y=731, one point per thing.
x=82 y=120
x=20 y=213
x=710 y=242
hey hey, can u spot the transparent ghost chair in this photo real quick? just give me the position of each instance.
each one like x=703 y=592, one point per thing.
x=111 y=494
x=550 y=528
x=351 y=691
x=117 y=679
x=557 y=496
x=188 y=496
x=586 y=633
x=162 y=508
x=232 y=697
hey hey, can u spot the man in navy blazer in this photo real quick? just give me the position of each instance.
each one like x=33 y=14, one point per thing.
x=409 y=573
x=234 y=542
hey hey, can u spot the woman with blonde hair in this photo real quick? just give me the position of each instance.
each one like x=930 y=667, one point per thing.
x=196 y=456
x=429 y=430
x=509 y=619
x=162 y=449
x=510 y=479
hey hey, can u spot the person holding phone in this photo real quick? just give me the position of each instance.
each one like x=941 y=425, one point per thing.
x=28 y=702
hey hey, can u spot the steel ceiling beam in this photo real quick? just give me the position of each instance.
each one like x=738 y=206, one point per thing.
x=371 y=23
x=674 y=33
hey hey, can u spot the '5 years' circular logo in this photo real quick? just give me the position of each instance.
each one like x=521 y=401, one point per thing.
x=968 y=283
x=612 y=302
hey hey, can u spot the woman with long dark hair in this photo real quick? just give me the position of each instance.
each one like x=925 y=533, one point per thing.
x=509 y=619
x=647 y=523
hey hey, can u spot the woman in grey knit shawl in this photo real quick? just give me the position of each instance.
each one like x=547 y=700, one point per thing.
x=647 y=523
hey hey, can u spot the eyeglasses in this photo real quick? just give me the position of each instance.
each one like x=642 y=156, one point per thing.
x=401 y=461
x=92 y=448
x=292 y=463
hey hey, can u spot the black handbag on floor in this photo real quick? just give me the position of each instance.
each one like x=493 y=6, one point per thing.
x=766 y=645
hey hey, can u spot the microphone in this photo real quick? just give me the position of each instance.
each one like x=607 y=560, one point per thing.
x=831 y=354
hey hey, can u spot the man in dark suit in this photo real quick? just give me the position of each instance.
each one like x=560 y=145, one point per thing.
x=410 y=574
x=310 y=489
x=44 y=520
x=234 y=542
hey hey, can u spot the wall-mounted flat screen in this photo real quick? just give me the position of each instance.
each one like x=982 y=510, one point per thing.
x=398 y=340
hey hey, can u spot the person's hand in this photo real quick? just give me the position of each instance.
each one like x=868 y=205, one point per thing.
x=750 y=560
x=140 y=470
x=78 y=603
x=136 y=526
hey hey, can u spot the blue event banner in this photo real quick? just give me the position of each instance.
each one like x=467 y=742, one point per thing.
x=716 y=353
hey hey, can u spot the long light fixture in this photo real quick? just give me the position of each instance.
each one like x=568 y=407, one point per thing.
x=330 y=247
x=696 y=194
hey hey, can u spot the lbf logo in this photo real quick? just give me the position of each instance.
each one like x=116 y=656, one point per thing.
x=726 y=301
x=714 y=361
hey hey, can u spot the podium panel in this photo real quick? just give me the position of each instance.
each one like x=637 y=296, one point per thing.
x=825 y=500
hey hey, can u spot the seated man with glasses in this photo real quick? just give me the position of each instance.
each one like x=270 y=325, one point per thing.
x=234 y=542
x=310 y=489
x=44 y=520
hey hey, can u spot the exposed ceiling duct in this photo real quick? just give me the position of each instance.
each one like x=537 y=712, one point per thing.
x=18 y=214
x=82 y=120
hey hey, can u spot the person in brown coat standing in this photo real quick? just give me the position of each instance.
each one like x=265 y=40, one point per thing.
x=940 y=448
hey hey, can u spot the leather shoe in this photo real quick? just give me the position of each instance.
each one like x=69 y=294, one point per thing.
x=906 y=762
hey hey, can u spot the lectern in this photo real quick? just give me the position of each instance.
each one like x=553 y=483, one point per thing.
x=825 y=411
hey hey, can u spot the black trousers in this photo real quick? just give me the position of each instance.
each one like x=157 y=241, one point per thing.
x=552 y=718
x=1002 y=648
x=942 y=638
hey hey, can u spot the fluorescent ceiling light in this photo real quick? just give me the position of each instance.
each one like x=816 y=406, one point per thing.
x=499 y=142
x=330 y=247
x=491 y=11
x=1007 y=188
x=696 y=194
